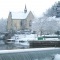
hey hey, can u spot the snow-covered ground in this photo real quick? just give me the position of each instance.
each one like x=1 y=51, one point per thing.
x=21 y=40
x=25 y=37
x=57 y=57
x=51 y=39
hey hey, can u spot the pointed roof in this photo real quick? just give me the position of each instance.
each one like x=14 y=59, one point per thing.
x=19 y=15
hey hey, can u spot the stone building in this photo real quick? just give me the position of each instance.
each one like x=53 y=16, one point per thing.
x=20 y=20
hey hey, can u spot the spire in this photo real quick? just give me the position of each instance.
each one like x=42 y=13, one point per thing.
x=25 y=10
x=10 y=14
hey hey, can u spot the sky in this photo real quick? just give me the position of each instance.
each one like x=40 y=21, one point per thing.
x=38 y=7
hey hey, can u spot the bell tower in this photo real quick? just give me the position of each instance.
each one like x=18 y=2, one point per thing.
x=25 y=10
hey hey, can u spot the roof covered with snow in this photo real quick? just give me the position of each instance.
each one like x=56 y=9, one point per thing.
x=19 y=15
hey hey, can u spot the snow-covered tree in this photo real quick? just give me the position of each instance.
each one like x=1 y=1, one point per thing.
x=45 y=25
x=3 y=25
x=52 y=11
x=34 y=26
x=51 y=25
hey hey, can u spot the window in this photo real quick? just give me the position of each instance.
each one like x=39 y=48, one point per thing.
x=21 y=23
x=30 y=23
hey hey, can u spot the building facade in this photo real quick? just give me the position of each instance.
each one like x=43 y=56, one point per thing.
x=20 y=21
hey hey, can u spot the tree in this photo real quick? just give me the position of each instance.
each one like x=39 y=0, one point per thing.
x=52 y=11
x=3 y=25
x=45 y=25
x=57 y=32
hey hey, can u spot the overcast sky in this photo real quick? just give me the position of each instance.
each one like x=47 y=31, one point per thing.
x=36 y=6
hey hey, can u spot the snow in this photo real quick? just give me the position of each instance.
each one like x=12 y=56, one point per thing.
x=48 y=25
x=19 y=15
x=57 y=57
x=22 y=39
x=24 y=43
x=50 y=35
x=52 y=39
x=26 y=50
x=25 y=37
